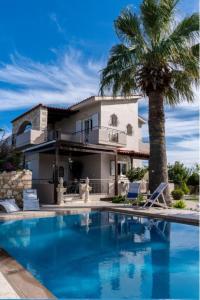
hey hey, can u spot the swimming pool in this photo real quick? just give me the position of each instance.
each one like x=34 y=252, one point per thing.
x=107 y=255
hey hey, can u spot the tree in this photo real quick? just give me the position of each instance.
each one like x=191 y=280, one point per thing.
x=159 y=59
x=10 y=159
x=178 y=173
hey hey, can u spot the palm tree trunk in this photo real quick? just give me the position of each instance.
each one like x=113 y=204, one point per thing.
x=158 y=158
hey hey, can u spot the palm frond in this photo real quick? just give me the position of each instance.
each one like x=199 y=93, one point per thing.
x=180 y=88
x=128 y=29
x=121 y=63
x=156 y=16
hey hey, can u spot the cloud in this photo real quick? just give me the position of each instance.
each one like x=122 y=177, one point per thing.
x=53 y=17
x=71 y=78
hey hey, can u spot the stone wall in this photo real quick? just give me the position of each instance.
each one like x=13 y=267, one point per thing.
x=37 y=117
x=13 y=183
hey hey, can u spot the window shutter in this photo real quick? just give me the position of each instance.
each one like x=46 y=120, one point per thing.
x=78 y=126
x=95 y=120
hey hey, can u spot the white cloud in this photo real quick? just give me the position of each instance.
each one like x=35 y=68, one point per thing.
x=67 y=80
x=72 y=78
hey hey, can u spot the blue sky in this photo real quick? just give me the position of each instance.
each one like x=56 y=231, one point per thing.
x=51 y=52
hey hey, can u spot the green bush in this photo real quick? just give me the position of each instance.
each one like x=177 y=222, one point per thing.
x=180 y=204
x=177 y=194
x=118 y=199
x=193 y=180
x=185 y=188
x=136 y=174
x=140 y=199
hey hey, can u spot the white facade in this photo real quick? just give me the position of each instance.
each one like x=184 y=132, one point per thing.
x=105 y=121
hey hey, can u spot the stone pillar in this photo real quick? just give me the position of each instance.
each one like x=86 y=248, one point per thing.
x=60 y=192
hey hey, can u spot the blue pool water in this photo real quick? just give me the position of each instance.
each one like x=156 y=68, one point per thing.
x=104 y=255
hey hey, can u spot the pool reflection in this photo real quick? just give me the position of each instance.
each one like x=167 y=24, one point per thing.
x=96 y=255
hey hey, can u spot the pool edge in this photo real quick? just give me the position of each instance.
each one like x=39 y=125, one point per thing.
x=22 y=281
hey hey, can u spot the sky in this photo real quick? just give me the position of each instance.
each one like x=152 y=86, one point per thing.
x=52 y=51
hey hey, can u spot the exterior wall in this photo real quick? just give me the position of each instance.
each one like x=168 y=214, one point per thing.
x=13 y=183
x=32 y=163
x=91 y=166
x=37 y=117
x=69 y=124
x=127 y=113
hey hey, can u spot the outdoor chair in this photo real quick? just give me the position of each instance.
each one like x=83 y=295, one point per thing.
x=9 y=205
x=154 y=198
x=30 y=200
x=133 y=191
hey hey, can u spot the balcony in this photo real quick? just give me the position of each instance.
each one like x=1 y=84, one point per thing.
x=98 y=135
x=29 y=137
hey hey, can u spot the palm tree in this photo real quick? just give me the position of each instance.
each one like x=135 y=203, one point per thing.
x=157 y=57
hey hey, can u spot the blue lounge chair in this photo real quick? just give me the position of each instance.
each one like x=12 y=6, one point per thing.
x=133 y=192
x=154 y=198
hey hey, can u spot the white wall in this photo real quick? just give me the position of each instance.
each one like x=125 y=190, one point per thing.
x=69 y=124
x=127 y=113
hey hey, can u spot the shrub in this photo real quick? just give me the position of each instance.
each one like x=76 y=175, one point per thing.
x=185 y=188
x=177 y=194
x=179 y=204
x=136 y=174
x=193 y=180
x=140 y=199
x=118 y=199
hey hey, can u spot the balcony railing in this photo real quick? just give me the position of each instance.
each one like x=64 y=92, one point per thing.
x=97 y=135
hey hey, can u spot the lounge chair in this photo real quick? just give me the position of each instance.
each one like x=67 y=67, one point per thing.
x=133 y=192
x=30 y=200
x=154 y=198
x=9 y=205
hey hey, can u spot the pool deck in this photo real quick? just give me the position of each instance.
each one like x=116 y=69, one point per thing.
x=18 y=283
x=171 y=214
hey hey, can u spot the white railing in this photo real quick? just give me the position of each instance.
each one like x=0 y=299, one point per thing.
x=98 y=135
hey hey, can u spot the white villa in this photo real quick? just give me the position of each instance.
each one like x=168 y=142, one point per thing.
x=99 y=138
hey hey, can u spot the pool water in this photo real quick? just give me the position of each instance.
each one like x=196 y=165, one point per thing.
x=106 y=255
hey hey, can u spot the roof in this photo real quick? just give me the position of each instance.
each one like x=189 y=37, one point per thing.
x=94 y=99
x=52 y=111
x=142 y=120
x=133 y=153
x=61 y=112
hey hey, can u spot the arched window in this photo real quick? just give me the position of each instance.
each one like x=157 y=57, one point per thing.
x=25 y=126
x=129 y=129
x=114 y=120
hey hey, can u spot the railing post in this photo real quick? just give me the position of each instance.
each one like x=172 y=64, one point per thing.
x=116 y=173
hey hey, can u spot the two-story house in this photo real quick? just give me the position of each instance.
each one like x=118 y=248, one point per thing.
x=99 y=138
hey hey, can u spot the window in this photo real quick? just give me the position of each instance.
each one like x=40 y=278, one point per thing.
x=122 y=168
x=114 y=120
x=25 y=126
x=129 y=129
